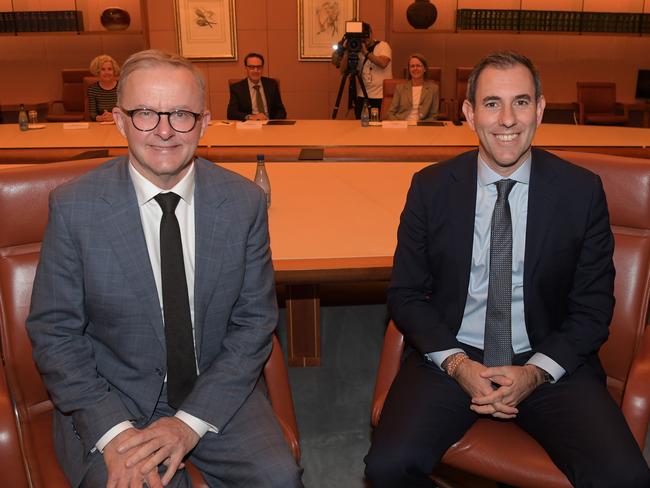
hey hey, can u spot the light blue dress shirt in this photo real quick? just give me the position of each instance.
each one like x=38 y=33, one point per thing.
x=472 y=328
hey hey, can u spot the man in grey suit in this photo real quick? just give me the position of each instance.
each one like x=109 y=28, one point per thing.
x=99 y=323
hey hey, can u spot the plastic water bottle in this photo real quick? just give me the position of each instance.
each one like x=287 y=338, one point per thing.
x=262 y=179
x=365 y=115
x=23 y=121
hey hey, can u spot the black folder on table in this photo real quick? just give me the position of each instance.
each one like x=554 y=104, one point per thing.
x=281 y=122
x=311 y=154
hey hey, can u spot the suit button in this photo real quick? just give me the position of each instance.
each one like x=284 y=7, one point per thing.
x=160 y=372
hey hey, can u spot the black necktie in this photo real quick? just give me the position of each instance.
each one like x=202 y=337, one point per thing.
x=181 y=364
x=498 y=333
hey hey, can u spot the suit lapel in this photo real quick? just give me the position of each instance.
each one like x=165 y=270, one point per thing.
x=542 y=196
x=121 y=217
x=409 y=94
x=462 y=205
x=212 y=221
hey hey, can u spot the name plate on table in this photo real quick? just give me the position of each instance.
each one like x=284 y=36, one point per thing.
x=394 y=124
x=76 y=125
x=250 y=124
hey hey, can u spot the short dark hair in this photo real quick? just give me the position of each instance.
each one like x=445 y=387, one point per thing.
x=502 y=60
x=253 y=55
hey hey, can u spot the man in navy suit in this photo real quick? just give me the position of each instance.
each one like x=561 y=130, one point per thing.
x=256 y=97
x=98 y=317
x=558 y=300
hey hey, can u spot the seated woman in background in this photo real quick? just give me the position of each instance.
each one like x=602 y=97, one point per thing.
x=417 y=99
x=102 y=95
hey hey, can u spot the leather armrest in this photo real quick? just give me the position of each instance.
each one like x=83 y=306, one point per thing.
x=277 y=382
x=391 y=355
x=636 y=399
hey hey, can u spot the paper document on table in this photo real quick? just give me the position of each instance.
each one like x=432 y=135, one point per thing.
x=76 y=125
x=394 y=124
x=251 y=124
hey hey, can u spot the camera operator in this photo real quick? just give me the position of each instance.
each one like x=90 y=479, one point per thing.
x=374 y=65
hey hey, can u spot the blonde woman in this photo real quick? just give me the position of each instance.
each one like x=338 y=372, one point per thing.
x=102 y=95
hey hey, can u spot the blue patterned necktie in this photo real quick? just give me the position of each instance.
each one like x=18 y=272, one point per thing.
x=498 y=328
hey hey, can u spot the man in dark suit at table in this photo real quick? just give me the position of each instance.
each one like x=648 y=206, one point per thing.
x=154 y=304
x=256 y=97
x=503 y=287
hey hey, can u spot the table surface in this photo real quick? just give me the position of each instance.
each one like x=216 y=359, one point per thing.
x=312 y=225
x=325 y=133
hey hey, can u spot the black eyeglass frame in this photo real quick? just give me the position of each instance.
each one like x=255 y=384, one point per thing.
x=130 y=113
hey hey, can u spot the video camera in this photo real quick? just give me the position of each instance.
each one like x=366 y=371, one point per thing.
x=355 y=33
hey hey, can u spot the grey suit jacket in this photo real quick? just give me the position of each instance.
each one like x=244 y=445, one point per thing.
x=96 y=323
x=403 y=101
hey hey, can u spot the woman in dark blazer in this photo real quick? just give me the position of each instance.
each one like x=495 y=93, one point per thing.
x=418 y=98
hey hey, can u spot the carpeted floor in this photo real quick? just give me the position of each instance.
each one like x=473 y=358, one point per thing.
x=333 y=401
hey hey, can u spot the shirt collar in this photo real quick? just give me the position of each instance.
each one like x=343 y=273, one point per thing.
x=487 y=176
x=251 y=84
x=145 y=190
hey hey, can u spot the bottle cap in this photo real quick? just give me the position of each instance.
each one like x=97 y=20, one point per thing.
x=260 y=157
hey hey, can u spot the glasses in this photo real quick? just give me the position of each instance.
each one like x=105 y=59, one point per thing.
x=145 y=119
x=255 y=66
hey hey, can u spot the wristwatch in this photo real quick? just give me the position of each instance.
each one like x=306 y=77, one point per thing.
x=547 y=377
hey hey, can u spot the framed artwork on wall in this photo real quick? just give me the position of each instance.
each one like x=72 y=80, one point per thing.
x=206 y=29
x=321 y=24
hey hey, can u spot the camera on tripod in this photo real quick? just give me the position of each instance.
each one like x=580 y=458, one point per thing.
x=356 y=33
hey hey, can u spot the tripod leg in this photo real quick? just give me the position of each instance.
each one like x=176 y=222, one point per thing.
x=340 y=94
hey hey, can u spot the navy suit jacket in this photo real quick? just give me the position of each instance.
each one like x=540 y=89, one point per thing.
x=568 y=266
x=240 y=104
x=96 y=322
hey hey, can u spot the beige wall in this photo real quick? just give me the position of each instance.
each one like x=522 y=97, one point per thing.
x=269 y=27
x=31 y=63
x=562 y=59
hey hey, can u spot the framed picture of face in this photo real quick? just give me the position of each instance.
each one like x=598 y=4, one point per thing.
x=206 y=29
x=321 y=24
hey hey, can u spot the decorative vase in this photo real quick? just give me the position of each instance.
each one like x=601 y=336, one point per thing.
x=421 y=14
x=114 y=19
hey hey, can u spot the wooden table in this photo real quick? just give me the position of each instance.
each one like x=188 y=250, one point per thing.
x=316 y=238
x=340 y=140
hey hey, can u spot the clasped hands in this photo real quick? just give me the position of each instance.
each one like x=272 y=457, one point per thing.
x=105 y=117
x=132 y=458
x=513 y=384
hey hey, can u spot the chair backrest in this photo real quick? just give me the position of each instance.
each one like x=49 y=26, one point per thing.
x=627 y=186
x=597 y=97
x=389 y=93
x=462 y=75
x=72 y=90
x=24 y=195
